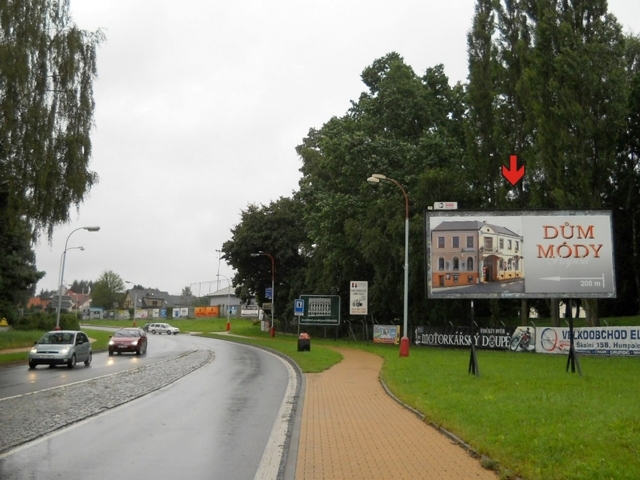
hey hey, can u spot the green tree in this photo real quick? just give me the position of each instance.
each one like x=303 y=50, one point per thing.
x=186 y=291
x=275 y=229
x=18 y=273
x=47 y=66
x=108 y=291
x=408 y=128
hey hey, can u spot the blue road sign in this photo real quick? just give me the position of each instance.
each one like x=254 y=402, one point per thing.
x=298 y=307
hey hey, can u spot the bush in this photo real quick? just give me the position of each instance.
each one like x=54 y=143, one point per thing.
x=46 y=321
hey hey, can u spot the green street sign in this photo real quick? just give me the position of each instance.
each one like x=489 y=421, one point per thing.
x=320 y=310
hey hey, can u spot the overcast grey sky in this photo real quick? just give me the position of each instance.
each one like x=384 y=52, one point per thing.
x=200 y=105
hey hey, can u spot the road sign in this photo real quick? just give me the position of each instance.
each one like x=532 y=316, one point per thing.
x=321 y=310
x=298 y=307
x=445 y=206
x=358 y=297
x=268 y=293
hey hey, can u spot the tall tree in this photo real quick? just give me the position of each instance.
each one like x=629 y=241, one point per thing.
x=276 y=230
x=108 y=291
x=18 y=273
x=47 y=66
x=403 y=126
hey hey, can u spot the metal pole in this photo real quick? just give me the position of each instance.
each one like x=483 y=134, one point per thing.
x=218 y=284
x=273 y=296
x=273 y=289
x=61 y=278
x=404 y=341
x=228 y=300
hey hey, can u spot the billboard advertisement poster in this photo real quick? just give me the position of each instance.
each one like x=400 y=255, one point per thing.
x=249 y=311
x=520 y=254
x=590 y=340
x=321 y=310
x=358 y=297
x=386 y=334
x=460 y=337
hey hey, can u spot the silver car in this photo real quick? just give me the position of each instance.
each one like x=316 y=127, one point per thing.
x=61 y=347
x=163 y=328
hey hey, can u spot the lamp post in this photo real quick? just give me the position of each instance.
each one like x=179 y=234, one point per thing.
x=375 y=179
x=228 y=301
x=218 y=284
x=61 y=277
x=273 y=291
x=61 y=282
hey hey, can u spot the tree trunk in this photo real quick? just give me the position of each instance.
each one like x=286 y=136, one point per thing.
x=555 y=311
x=524 y=312
x=591 y=312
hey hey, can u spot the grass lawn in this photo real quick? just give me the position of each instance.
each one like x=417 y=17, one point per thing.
x=525 y=411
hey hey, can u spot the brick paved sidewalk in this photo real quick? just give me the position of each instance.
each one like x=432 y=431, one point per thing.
x=352 y=429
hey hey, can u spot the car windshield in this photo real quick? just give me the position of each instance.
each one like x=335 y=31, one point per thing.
x=57 y=338
x=127 y=333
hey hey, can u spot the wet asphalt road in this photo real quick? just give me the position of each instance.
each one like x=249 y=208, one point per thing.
x=214 y=423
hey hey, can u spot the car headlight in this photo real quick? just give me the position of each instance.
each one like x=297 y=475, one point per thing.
x=64 y=351
x=110 y=342
x=34 y=350
x=134 y=343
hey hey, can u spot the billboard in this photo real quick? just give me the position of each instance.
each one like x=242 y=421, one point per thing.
x=358 y=296
x=520 y=254
x=323 y=310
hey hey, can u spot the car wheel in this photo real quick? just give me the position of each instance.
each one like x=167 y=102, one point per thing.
x=138 y=352
x=72 y=362
x=87 y=362
x=111 y=353
x=32 y=365
x=153 y=331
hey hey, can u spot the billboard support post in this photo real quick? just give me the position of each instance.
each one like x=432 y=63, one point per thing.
x=572 y=359
x=473 y=359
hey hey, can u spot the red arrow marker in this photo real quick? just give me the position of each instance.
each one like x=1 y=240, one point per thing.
x=513 y=174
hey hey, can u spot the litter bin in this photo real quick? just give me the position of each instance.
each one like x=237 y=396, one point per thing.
x=304 y=342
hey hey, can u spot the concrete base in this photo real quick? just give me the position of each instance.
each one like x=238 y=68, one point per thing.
x=404 y=346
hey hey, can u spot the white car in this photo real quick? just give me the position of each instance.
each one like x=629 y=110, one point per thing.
x=163 y=328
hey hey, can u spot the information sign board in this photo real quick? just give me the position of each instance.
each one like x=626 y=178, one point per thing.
x=320 y=310
x=358 y=298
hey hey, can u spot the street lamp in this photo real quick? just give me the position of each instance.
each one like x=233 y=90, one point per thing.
x=61 y=280
x=61 y=277
x=375 y=179
x=218 y=284
x=273 y=291
x=228 y=300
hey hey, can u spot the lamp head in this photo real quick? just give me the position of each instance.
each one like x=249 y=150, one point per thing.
x=373 y=181
x=255 y=254
x=92 y=229
x=379 y=176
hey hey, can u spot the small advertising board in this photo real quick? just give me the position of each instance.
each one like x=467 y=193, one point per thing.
x=321 y=310
x=520 y=254
x=358 y=297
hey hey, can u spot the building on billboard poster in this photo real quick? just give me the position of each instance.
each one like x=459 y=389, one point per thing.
x=520 y=254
